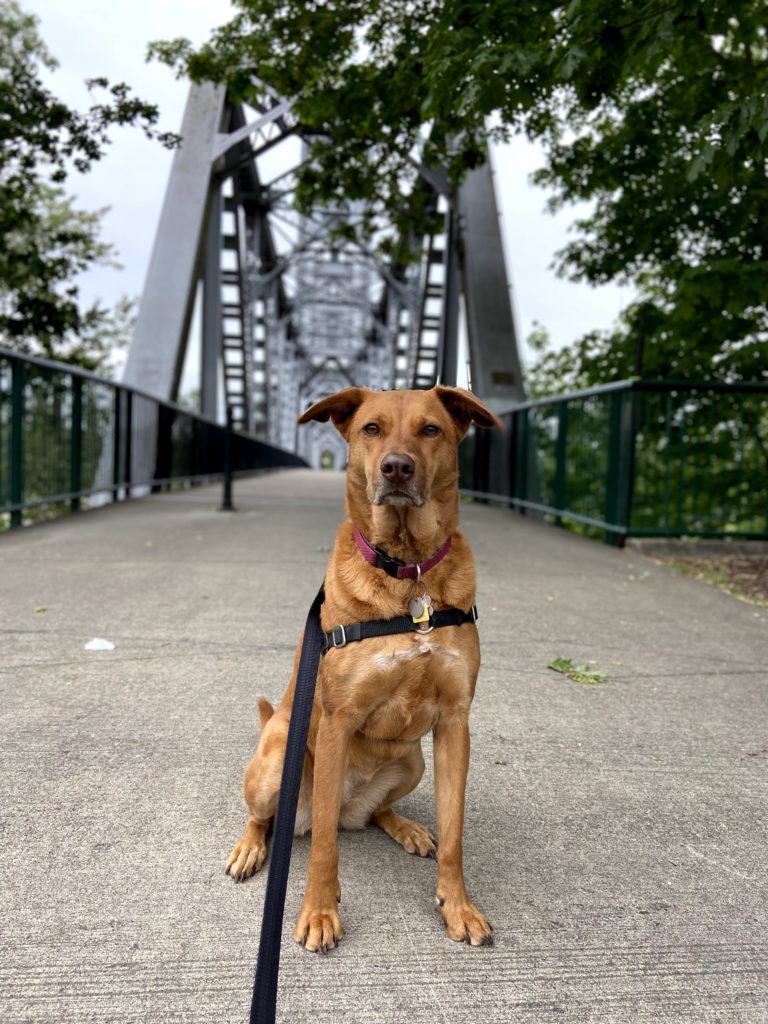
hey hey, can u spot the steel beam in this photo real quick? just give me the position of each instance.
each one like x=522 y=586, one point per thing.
x=497 y=375
x=156 y=354
x=449 y=325
x=212 y=321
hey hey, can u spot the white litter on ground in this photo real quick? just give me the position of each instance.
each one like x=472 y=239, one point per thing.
x=97 y=644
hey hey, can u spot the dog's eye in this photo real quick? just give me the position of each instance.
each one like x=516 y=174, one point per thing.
x=431 y=430
x=371 y=429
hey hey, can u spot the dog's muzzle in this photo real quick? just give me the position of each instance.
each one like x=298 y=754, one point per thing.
x=397 y=482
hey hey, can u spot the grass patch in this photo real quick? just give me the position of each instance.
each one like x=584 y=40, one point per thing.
x=715 y=575
x=743 y=577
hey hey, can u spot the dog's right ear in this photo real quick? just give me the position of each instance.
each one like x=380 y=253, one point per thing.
x=340 y=408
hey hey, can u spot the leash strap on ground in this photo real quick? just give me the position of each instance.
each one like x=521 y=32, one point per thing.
x=264 y=999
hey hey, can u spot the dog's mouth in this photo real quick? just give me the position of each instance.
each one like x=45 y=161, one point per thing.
x=388 y=495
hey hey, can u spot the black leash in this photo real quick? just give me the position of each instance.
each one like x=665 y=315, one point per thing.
x=264 y=998
x=314 y=643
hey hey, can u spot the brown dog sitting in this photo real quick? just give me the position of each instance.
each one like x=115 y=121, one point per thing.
x=376 y=699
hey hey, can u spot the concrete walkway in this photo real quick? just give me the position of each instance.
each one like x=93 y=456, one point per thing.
x=616 y=834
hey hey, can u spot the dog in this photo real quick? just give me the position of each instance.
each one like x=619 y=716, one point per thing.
x=376 y=699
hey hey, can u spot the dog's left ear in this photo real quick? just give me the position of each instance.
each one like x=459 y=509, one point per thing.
x=466 y=409
x=340 y=408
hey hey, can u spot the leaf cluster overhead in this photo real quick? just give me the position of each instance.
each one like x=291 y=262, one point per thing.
x=45 y=242
x=654 y=112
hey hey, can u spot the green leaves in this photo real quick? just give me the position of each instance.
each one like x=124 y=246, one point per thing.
x=578 y=673
x=44 y=240
x=656 y=115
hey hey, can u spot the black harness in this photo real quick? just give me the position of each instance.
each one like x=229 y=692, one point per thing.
x=315 y=644
x=340 y=636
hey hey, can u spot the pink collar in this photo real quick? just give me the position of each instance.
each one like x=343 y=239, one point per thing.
x=394 y=566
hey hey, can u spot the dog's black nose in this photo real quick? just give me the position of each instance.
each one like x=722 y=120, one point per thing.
x=397 y=468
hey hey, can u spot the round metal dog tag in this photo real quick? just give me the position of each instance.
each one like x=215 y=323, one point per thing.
x=416 y=608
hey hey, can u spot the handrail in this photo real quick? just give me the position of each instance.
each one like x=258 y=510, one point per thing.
x=67 y=434
x=634 y=458
x=78 y=371
x=640 y=384
x=599 y=389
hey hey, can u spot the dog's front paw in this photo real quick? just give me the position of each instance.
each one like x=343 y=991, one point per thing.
x=318 y=928
x=248 y=854
x=465 y=923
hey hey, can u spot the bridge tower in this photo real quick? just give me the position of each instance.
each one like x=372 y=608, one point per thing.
x=283 y=311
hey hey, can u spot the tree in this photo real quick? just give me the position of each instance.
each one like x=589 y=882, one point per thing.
x=657 y=113
x=46 y=241
x=40 y=310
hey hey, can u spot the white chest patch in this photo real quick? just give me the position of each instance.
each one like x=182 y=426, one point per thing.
x=421 y=647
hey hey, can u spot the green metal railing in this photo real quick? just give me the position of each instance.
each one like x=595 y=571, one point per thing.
x=631 y=459
x=634 y=459
x=67 y=436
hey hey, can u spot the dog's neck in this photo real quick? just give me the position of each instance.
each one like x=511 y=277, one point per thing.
x=409 y=532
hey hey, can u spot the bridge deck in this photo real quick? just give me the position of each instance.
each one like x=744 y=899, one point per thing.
x=615 y=833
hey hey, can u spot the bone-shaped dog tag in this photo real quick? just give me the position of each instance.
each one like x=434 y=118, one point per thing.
x=420 y=608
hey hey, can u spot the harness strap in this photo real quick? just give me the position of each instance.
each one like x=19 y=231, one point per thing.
x=340 y=636
x=264 y=998
x=314 y=643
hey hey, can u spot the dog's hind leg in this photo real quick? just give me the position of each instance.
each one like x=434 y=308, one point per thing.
x=411 y=835
x=261 y=787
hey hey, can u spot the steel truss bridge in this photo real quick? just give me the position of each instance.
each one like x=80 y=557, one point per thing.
x=284 y=311
x=278 y=313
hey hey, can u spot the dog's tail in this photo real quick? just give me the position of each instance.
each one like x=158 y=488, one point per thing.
x=265 y=711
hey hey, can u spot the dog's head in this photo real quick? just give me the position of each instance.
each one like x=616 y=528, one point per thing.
x=402 y=444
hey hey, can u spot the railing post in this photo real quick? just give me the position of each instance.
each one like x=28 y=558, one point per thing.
x=612 y=469
x=196 y=468
x=164 y=449
x=17 y=439
x=631 y=426
x=116 y=444
x=560 y=453
x=226 y=501
x=128 y=467
x=512 y=458
x=521 y=457
x=76 y=443
x=621 y=447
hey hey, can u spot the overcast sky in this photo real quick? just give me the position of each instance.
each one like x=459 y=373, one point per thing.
x=91 y=38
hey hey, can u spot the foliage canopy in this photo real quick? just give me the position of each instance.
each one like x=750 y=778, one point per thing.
x=45 y=242
x=655 y=112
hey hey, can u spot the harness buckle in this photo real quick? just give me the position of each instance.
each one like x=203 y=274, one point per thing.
x=473 y=612
x=343 y=642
